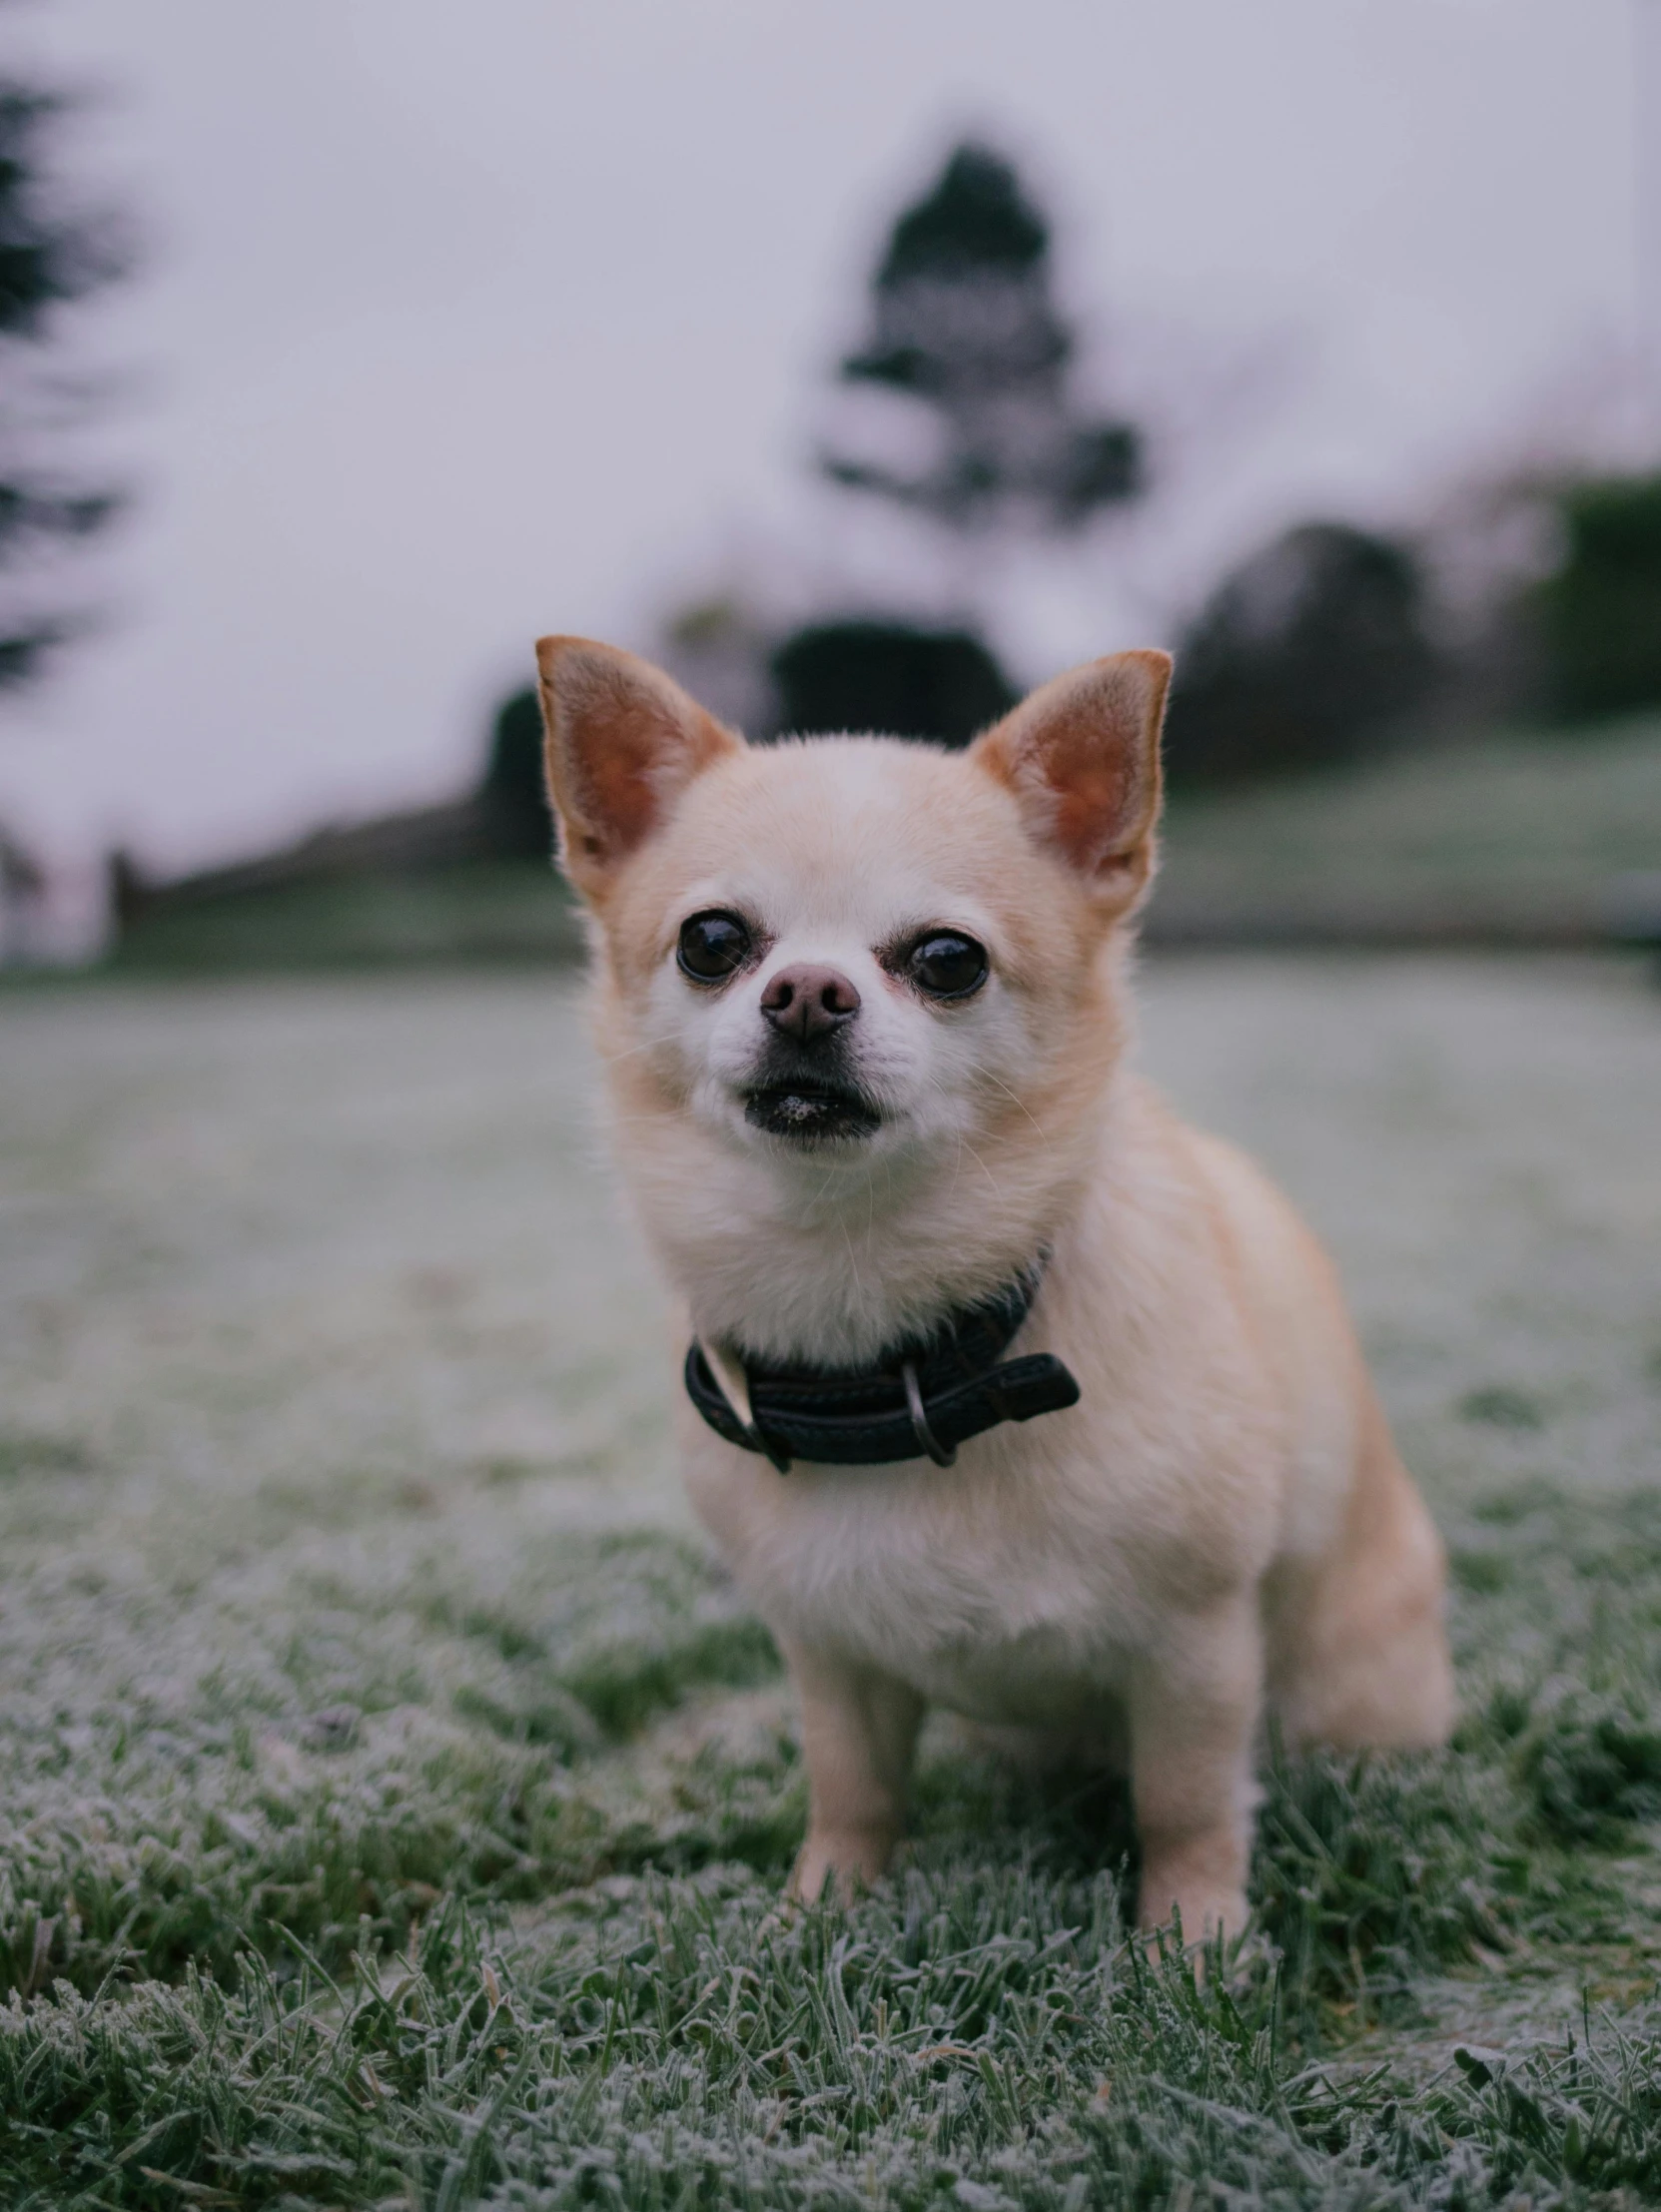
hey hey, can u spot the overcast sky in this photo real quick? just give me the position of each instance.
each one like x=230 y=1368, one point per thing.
x=461 y=324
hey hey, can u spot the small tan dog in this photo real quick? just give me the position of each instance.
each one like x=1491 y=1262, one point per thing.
x=863 y=1011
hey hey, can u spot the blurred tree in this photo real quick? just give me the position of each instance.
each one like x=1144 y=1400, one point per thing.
x=1306 y=654
x=1599 y=616
x=513 y=794
x=50 y=254
x=892 y=677
x=964 y=326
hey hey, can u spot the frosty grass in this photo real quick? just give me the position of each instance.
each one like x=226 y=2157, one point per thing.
x=393 y=1797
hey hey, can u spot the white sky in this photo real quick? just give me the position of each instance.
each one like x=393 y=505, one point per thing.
x=464 y=322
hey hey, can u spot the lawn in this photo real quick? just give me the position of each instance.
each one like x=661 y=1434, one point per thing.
x=477 y=912
x=393 y=1797
x=1508 y=838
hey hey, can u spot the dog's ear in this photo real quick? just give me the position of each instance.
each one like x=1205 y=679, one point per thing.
x=1082 y=756
x=622 y=742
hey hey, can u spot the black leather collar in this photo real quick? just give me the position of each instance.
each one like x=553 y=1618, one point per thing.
x=920 y=1400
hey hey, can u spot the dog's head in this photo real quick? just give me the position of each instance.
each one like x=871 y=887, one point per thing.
x=846 y=958
x=839 y=949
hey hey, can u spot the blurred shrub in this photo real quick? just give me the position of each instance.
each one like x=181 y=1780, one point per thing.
x=889 y=676
x=514 y=795
x=1306 y=654
x=1599 y=617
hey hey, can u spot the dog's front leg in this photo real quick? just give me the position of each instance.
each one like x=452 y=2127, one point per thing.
x=1194 y=1707
x=859 y=1730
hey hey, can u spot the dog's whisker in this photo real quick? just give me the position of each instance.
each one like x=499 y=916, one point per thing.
x=852 y=1262
x=1017 y=1100
x=982 y=1166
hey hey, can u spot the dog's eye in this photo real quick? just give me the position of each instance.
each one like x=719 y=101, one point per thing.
x=946 y=965
x=713 y=946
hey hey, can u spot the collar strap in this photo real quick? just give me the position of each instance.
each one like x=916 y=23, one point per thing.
x=920 y=1400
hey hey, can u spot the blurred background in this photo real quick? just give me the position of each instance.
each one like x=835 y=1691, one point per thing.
x=864 y=364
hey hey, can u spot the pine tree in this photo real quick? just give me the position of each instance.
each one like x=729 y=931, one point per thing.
x=48 y=257
x=962 y=321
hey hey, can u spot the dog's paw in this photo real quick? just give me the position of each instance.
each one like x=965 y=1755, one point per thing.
x=1204 y=1910
x=847 y=1863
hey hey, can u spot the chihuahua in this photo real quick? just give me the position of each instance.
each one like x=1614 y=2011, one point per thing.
x=1006 y=1391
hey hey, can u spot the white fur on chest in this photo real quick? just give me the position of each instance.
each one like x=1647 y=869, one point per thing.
x=973 y=1583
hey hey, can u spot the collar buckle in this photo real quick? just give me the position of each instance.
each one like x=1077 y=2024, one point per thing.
x=734 y=1385
x=941 y=1454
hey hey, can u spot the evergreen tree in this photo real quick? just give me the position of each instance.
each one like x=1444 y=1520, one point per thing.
x=49 y=256
x=962 y=321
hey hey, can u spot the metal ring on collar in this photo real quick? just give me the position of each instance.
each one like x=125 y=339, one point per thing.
x=926 y=1439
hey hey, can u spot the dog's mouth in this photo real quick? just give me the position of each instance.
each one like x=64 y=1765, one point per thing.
x=809 y=1113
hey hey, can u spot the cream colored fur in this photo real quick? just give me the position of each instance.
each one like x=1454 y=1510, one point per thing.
x=1221 y=1527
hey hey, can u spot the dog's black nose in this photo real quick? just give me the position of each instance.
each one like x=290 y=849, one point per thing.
x=809 y=1003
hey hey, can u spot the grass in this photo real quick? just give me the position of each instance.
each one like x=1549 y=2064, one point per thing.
x=393 y=1797
x=464 y=913
x=1506 y=837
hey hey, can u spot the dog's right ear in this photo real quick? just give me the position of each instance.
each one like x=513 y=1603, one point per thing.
x=623 y=741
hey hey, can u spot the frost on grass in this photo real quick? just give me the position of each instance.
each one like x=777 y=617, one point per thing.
x=394 y=1797
x=973 y=2037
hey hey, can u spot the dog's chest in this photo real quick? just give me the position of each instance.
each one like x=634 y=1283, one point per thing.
x=967 y=1582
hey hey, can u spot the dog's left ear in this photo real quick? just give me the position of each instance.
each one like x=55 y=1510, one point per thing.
x=1082 y=757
